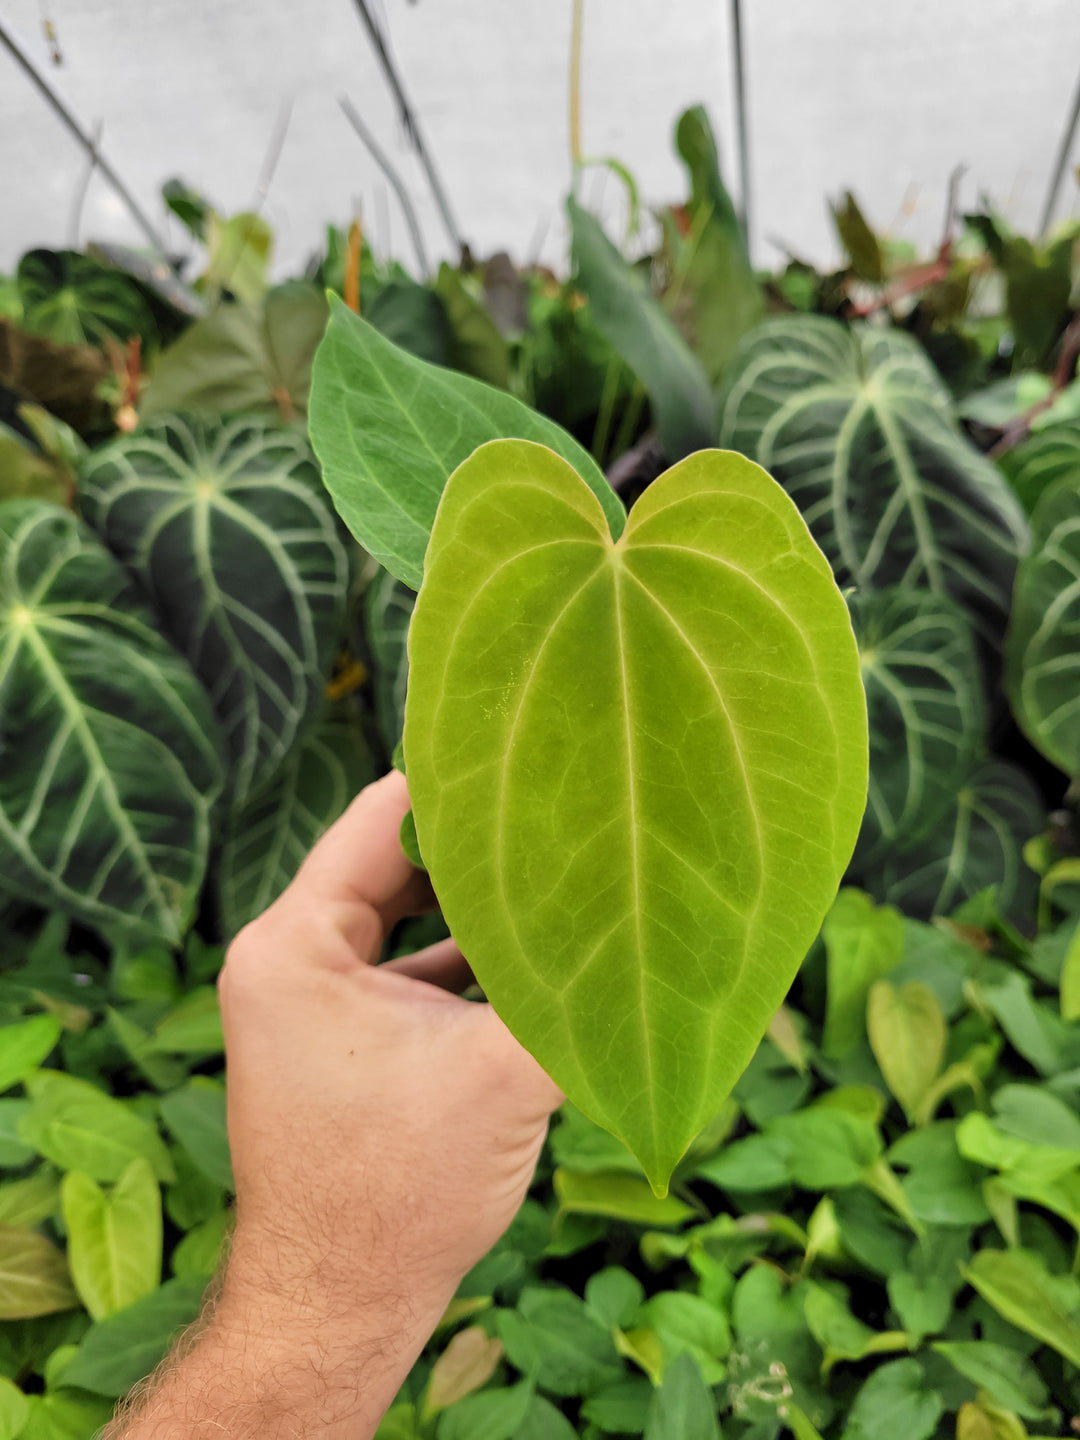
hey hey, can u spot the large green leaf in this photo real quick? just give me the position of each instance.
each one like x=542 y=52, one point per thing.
x=254 y=358
x=637 y=770
x=1042 y=659
x=228 y=530
x=858 y=429
x=642 y=333
x=1043 y=458
x=269 y=837
x=979 y=843
x=73 y=300
x=388 y=607
x=114 y=1241
x=389 y=429
x=925 y=705
x=112 y=757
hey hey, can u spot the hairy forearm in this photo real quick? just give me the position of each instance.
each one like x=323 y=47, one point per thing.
x=242 y=1373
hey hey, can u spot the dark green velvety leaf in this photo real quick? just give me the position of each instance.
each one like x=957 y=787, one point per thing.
x=228 y=530
x=250 y=358
x=388 y=607
x=270 y=835
x=1044 y=458
x=858 y=429
x=894 y=1401
x=476 y=345
x=117 y=1352
x=112 y=758
x=389 y=429
x=683 y=1407
x=73 y=300
x=579 y=719
x=413 y=318
x=1042 y=662
x=643 y=335
x=925 y=705
x=979 y=843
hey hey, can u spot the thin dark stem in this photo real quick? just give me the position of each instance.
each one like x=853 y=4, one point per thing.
x=742 y=129
x=86 y=140
x=1060 y=163
x=412 y=126
x=380 y=157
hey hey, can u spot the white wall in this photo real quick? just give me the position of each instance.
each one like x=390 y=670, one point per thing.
x=884 y=98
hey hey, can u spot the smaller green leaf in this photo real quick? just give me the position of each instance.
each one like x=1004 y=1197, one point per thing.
x=33 y=1276
x=193 y=1026
x=689 y=1324
x=114 y=1241
x=79 y=1127
x=14 y=1410
x=73 y=300
x=859 y=240
x=614 y=1295
x=1070 y=979
x=476 y=345
x=683 y=1407
x=923 y=1302
x=24 y=1045
x=620 y=1409
x=555 y=1340
x=1006 y=1374
x=493 y=1415
x=196 y=1116
x=25 y=1203
x=839 y=1333
x=895 y=1402
x=908 y=1035
x=467 y=1363
x=618 y=1196
x=1018 y=1286
x=863 y=941
x=199 y=1252
x=119 y=1351
x=826 y=1148
x=544 y=1422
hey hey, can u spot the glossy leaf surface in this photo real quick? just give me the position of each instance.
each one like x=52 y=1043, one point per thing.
x=227 y=529
x=925 y=707
x=112 y=756
x=389 y=429
x=858 y=429
x=1042 y=658
x=271 y=834
x=637 y=770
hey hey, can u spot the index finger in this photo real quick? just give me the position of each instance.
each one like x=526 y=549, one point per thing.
x=358 y=867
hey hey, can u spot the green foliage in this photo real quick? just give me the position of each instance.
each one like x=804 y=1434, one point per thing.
x=680 y=928
x=389 y=430
x=72 y=299
x=225 y=528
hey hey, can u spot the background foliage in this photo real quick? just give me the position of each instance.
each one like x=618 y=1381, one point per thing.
x=878 y=1235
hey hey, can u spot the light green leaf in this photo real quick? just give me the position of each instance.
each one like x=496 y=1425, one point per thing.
x=683 y=1407
x=13 y=1152
x=112 y=757
x=908 y=1034
x=618 y=1196
x=555 y=1340
x=199 y=1252
x=254 y=359
x=863 y=941
x=193 y=1026
x=1042 y=665
x=689 y=1324
x=14 y=1410
x=978 y=844
x=858 y=429
x=1009 y=1376
x=114 y=1241
x=824 y=1147
x=637 y=770
x=269 y=837
x=33 y=1276
x=614 y=1295
x=1018 y=1286
x=896 y=1402
x=227 y=529
x=1070 y=979
x=117 y=1352
x=196 y=1116
x=238 y=256
x=925 y=705
x=65 y=1415
x=78 y=1127
x=494 y=1415
x=641 y=333
x=24 y=1045
x=25 y=1203
x=839 y=1333
x=468 y=1362
x=389 y=429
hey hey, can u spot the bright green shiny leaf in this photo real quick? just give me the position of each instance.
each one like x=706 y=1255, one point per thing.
x=641 y=332
x=200 y=1251
x=637 y=770
x=191 y=1027
x=227 y=528
x=14 y=1410
x=112 y=758
x=24 y=1045
x=33 y=1276
x=114 y=1241
x=389 y=429
x=78 y=1127
x=618 y=1196
x=614 y=1295
x=858 y=428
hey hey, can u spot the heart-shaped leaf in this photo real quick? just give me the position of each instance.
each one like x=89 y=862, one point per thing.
x=978 y=843
x=112 y=757
x=1042 y=661
x=925 y=705
x=229 y=531
x=858 y=429
x=389 y=428
x=637 y=770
